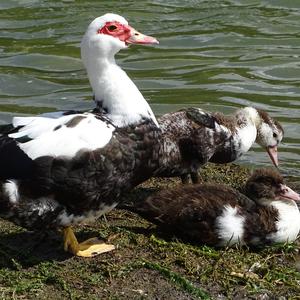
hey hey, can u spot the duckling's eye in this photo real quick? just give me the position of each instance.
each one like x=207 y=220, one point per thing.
x=112 y=27
x=275 y=135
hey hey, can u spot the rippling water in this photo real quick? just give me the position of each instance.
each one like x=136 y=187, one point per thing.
x=218 y=55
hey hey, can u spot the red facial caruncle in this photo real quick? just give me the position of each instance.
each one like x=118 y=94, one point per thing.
x=116 y=29
x=126 y=33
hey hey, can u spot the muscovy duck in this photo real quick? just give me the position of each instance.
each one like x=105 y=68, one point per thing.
x=219 y=215
x=192 y=137
x=62 y=169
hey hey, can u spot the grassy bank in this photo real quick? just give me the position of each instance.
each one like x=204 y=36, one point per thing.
x=145 y=265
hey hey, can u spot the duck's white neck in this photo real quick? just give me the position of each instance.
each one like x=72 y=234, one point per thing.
x=248 y=120
x=117 y=94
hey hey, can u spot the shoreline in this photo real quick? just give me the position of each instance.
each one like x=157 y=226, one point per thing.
x=145 y=264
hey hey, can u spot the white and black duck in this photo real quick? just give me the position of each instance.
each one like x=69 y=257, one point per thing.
x=218 y=215
x=60 y=169
x=192 y=137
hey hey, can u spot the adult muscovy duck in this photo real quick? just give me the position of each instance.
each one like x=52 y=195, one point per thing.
x=218 y=215
x=192 y=137
x=58 y=170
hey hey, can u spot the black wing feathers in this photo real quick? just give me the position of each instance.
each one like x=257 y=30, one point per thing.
x=14 y=163
x=201 y=117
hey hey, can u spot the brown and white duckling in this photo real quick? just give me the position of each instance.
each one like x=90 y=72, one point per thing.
x=218 y=215
x=192 y=137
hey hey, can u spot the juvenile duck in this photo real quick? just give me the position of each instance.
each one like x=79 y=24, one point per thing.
x=192 y=137
x=218 y=215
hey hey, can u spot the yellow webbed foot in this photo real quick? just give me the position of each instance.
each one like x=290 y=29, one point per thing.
x=92 y=247
x=88 y=248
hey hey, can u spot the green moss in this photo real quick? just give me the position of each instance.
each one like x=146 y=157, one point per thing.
x=177 y=279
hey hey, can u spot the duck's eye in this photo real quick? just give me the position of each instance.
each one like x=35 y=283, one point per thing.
x=275 y=135
x=112 y=27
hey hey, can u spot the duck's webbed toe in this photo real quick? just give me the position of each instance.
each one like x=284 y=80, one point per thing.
x=88 y=248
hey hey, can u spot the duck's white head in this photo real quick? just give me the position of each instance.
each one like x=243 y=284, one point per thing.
x=113 y=90
x=269 y=132
x=269 y=135
x=108 y=34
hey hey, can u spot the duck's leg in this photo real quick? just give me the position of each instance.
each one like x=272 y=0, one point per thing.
x=88 y=248
x=195 y=177
x=184 y=178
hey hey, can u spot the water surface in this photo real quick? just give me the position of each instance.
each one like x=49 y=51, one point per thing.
x=218 y=55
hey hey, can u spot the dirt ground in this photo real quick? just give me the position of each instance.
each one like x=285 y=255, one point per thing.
x=146 y=264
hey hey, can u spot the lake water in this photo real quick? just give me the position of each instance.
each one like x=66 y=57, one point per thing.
x=218 y=55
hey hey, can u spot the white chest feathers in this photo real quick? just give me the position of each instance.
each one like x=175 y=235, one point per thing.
x=230 y=226
x=288 y=223
x=246 y=137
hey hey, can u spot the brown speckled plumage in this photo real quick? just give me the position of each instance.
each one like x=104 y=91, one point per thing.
x=229 y=122
x=267 y=119
x=192 y=137
x=191 y=212
x=262 y=186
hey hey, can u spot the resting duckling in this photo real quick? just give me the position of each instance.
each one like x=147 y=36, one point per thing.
x=192 y=137
x=218 y=215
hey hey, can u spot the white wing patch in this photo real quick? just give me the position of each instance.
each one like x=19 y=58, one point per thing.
x=230 y=226
x=54 y=137
x=11 y=190
x=36 y=126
